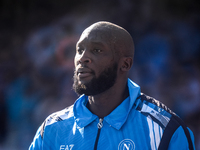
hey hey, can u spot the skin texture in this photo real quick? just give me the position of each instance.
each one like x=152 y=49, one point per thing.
x=104 y=55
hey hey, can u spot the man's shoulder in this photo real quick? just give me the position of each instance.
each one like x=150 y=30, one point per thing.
x=158 y=105
x=166 y=118
x=154 y=110
x=57 y=117
x=60 y=115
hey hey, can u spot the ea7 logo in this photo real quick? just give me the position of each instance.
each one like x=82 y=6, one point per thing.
x=66 y=147
x=126 y=144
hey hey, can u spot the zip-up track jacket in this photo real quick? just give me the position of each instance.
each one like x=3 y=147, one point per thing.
x=138 y=123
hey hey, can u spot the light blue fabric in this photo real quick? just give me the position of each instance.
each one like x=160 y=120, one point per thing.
x=75 y=128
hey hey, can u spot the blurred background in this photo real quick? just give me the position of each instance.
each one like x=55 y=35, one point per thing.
x=37 y=47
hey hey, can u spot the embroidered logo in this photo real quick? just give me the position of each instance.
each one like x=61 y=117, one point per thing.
x=126 y=144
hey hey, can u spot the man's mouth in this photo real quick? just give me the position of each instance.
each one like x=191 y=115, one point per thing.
x=84 y=72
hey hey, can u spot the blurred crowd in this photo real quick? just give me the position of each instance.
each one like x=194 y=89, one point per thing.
x=36 y=72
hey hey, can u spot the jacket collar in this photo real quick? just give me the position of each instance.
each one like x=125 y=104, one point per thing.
x=116 y=118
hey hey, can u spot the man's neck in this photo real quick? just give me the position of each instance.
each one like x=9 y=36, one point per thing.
x=103 y=104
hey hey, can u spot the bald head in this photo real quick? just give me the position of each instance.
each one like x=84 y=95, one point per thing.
x=117 y=37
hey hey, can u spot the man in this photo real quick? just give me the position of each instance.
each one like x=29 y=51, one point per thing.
x=111 y=113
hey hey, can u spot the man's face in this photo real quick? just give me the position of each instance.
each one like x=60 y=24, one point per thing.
x=95 y=65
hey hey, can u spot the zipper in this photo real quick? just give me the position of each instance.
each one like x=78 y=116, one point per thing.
x=99 y=126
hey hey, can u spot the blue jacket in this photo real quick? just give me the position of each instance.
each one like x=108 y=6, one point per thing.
x=138 y=123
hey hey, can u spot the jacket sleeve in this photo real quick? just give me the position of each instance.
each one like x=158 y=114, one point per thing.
x=180 y=141
x=37 y=141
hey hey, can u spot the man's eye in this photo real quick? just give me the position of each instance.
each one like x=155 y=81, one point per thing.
x=80 y=51
x=97 y=50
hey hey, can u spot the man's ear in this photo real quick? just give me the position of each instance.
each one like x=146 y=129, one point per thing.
x=127 y=63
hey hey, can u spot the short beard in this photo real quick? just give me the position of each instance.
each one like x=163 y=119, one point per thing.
x=97 y=85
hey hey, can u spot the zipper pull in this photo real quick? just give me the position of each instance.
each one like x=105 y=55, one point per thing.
x=100 y=124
